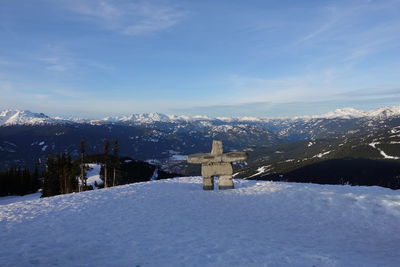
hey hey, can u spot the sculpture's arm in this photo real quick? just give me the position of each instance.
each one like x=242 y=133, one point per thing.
x=234 y=157
x=203 y=158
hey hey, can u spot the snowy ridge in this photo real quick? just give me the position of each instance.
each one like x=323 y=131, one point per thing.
x=175 y=223
x=150 y=118
x=384 y=112
x=350 y=113
x=22 y=117
x=25 y=117
x=344 y=113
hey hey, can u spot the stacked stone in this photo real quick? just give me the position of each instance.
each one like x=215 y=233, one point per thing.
x=217 y=163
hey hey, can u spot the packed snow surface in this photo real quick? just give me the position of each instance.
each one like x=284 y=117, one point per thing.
x=12 y=199
x=175 y=223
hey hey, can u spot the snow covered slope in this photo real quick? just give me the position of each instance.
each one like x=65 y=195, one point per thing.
x=12 y=199
x=26 y=117
x=175 y=223
x=350 y=113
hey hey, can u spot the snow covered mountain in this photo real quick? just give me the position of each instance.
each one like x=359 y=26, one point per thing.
x=24 y=117
x=351 y=113
x=175 y=223
x=344 y=113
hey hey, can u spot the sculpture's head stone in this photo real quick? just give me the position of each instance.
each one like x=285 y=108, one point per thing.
x=217 y=148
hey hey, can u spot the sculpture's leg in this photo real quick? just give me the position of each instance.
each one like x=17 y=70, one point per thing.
x=225 y=182
x=208 y=183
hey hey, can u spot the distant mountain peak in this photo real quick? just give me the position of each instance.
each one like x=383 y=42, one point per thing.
x=26 y=117
x=352 y=113
x=384 y=112
x=344 y=113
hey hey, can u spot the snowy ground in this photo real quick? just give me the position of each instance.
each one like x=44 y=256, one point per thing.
x=93 y=175
x=175 y=223
x=12 y=199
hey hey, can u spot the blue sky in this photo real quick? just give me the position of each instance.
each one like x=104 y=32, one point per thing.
x=218 y=58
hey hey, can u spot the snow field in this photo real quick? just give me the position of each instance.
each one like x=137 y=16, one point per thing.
x=12 y=199
x=175 y=223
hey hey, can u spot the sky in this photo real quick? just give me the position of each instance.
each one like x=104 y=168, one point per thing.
x=88 y=58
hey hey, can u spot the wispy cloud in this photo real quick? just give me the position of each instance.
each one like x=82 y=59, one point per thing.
x=56 y=64
x=128 y=17
x=330 y=19
x=21 y=92
x=7 y=63
x=372 y=93
x=289 y=108
x=326 y=84
x=346 y=44
x=5 y=87
x=344 y=24
x=376 y=39
x=307 y=86
x=66 y=62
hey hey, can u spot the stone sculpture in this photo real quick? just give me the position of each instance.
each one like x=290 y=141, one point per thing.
x=218 y=164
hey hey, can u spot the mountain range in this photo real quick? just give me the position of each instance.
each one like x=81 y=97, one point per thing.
x=26 y=117
x=274 y=145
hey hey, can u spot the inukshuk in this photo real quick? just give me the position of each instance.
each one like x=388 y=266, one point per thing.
x=218 y=164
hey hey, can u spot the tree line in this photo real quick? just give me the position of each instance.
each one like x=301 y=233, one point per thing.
x=17 y=181
x=63 y=174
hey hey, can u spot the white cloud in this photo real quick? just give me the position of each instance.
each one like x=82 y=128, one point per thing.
x=57 y=64
x=7 y=63
x=330 y=21
x=128 y=17
x=60 y=68
x=60 y=61
x=306 y=87
x=344 y=22
x=5 y=87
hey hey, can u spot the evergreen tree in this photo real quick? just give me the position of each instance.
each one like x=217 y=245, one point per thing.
x=25 y=182
x=61 y=172
x=60 y=176
x=51 y=183
x=71 y=174
x=116 y=165
x=106 y=148
x=83 y=176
